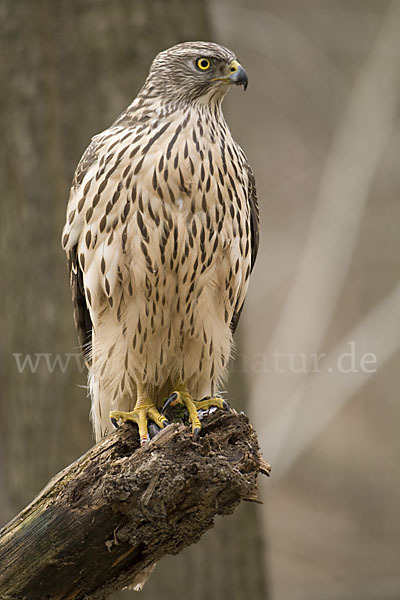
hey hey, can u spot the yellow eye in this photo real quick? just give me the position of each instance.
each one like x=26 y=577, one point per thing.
x=203 y=64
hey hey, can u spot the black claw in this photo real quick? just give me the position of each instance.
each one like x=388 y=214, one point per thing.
x=169 y=401
x=115 y=423
x=196 y=431
x=153 y=429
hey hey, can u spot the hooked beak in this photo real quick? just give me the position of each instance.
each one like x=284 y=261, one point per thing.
x=237 y=75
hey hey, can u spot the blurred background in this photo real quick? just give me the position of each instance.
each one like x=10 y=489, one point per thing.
x=319 y=341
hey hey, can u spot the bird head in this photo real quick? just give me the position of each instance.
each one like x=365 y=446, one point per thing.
x=195 y=71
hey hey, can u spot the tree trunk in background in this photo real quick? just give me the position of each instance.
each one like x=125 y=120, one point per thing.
x=67 y=69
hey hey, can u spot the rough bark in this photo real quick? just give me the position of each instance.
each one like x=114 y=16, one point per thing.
x=107 y=518
x=67 y=69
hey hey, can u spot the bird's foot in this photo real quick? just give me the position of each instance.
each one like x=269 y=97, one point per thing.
x=183 y=398
x=143 y=412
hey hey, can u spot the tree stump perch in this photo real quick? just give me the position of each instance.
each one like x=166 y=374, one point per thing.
x=103 y=522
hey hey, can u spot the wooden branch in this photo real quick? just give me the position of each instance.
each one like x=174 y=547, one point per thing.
x=102 y=523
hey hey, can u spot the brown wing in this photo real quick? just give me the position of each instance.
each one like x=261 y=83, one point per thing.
x=83 y=322
x=255 y=235
x=82 y=318
x=87 y=159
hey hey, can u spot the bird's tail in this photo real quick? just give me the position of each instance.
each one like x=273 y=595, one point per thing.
x=101 y=406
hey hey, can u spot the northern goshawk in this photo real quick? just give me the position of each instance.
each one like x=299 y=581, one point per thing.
x=161 y=237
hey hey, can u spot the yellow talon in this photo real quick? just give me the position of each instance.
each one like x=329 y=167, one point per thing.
x=209 y=402
x=144 y=411
x=183 y=397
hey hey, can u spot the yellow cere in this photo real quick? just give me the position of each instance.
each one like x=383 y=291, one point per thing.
x=234 y=66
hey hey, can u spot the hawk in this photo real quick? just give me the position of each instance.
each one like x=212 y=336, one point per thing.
x=161 y=237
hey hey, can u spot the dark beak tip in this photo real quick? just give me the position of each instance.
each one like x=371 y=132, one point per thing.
x=245 y=80
x=240 y=78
